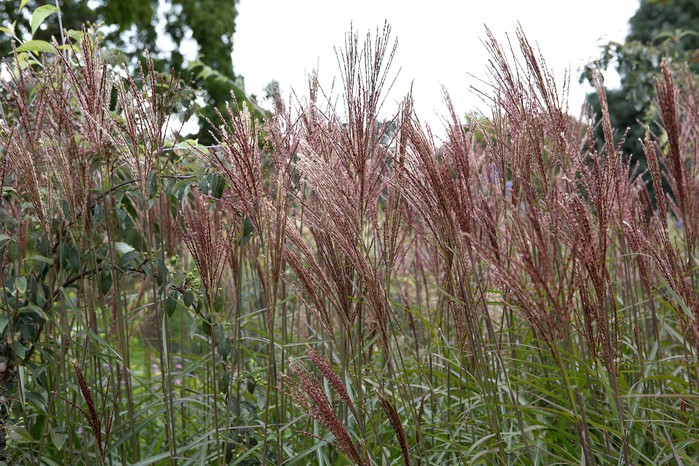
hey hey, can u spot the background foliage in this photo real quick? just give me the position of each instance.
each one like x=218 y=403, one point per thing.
x=659 y=29
x=127 y=28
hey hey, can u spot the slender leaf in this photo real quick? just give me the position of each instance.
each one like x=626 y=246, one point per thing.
x=40 y=15
x=37 y=46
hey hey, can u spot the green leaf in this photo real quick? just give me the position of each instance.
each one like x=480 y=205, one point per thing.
x=105 y=282
x=152 y=184
x=123 y=248
x=223 y=342
x=34 y=310
x=188 y=298
x=4 y=320
x=70 y=257
x=35 y=46
x=40 y=15
x=23 y=4
x=18 y=434
x=75 y=35
x=212 y=184
x=153 y=459
x=6 y=30
x=187 y=144
x=19 y=349
x=58 y=438
x=171 y=305
x=126 y=260
x=225 y=382
x=22 y=284
x=218 y=303
x=250 y=385
x=39 y=258
x=161 y=277
x=248 y=230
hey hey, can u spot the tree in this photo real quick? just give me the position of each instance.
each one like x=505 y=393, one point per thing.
x=657 y=17
x=659 y=29
x=131 y=26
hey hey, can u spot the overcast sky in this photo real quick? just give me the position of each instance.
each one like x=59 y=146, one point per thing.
x=439 y=41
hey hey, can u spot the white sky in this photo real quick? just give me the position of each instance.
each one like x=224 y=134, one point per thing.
x=439 y=42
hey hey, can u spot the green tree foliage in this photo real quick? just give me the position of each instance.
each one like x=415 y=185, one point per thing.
x=656 y=17
x=212 y=23
x=75 y=12
x=659 y=29
x=131 y=26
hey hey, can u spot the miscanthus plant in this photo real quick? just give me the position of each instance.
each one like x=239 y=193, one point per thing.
x=327 y=286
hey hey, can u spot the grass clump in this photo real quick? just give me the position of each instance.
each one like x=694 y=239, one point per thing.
x=324 y=286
